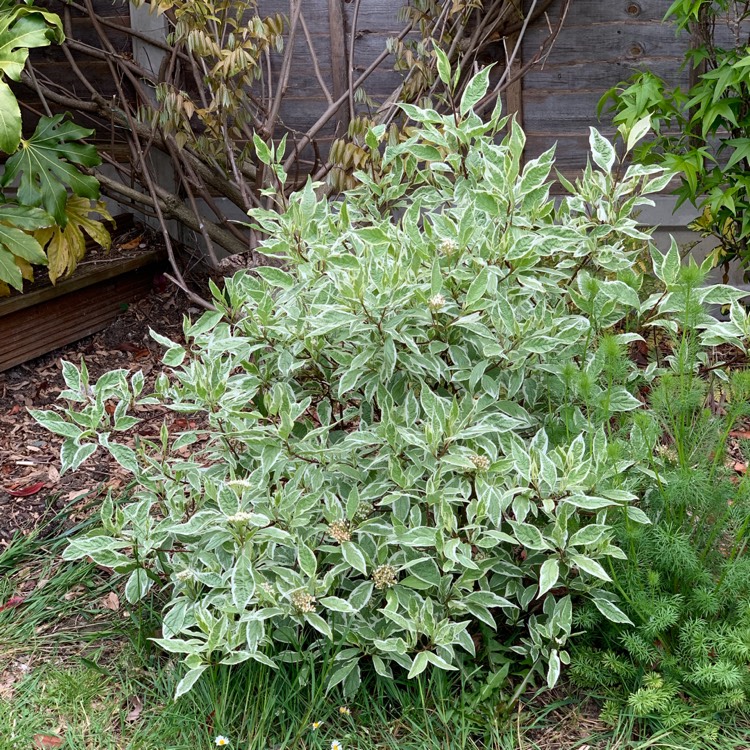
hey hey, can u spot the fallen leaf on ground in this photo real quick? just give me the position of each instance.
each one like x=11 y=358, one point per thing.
x=44 y=741
x=131 y=245
x=32 y=489
x=111 y=601
x=14 y=601
x=135 y=711
x=75 y=494
x=74 y=593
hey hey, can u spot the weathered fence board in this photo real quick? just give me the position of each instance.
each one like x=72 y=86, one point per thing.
x=601 y=44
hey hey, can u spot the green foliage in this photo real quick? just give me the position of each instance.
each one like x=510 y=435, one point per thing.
x=413 y=440
x=22 y=27
x=686 y=581
x=18 y=249
x=702 y=134
x=44 y=167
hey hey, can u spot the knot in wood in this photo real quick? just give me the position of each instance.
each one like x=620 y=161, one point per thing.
x=633 y=9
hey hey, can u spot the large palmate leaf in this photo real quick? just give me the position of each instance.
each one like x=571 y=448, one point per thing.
x=22 y=27
x=18 y=250
x=66 y=245
x=10 y=119
x=46 y=167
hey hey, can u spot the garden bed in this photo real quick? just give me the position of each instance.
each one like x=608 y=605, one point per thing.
x=46 y=317
x=31 y=488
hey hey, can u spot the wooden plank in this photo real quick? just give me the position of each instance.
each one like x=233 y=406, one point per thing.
x=603 y=75
x=102 y=8
x=596 y=43
x=563 y=113
x=63 y=75
x=83 y=31
x=339 y=63
x=303 y=82
x=587 y=13
x=14 y=304
x=380 y=15
x=40 y=329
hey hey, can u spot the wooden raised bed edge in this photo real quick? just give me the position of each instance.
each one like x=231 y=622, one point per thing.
x=46 y=319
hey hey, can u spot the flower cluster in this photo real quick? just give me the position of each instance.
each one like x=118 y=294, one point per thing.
x=242 y=484
x=363 y=512
x=241 y=517
x=339 y=530
x=268 y=588
x=482 y=463
x=303 y=602
x=448 y=247
x=667 y=453
x=384 y=576
x=436 y=302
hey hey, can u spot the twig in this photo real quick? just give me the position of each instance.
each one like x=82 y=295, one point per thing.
x=314 y=58
x=333 y=108
x=350 y=61
x=286 y=69
x=509 y=63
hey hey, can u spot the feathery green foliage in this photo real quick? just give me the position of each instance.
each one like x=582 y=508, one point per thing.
x=686 y=581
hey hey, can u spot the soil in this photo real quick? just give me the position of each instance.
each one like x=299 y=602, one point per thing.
x=32 y=491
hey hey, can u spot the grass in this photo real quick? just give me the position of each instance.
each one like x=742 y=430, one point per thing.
x=79 y=676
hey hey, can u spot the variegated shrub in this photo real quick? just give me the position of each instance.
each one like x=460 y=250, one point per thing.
x=416 y=436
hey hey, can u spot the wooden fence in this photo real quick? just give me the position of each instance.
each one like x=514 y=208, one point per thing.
x=601 y=43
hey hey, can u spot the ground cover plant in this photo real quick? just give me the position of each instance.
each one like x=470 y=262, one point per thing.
x=420 y=441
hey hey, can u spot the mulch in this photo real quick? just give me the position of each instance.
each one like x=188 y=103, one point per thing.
x=31 y=488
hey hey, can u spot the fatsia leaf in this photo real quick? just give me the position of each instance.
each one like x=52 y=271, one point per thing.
x=19 y=250
x=10 y=120
x=21 y=28
x=66 y=245
x=14 y=244
x=20 y=32
x=24 y=217
x=44 y=166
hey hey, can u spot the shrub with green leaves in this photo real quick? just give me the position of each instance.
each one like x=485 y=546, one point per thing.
x=410 y=439
x=703 y=133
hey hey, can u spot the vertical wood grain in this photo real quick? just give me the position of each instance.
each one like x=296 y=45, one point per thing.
x=339 y=61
